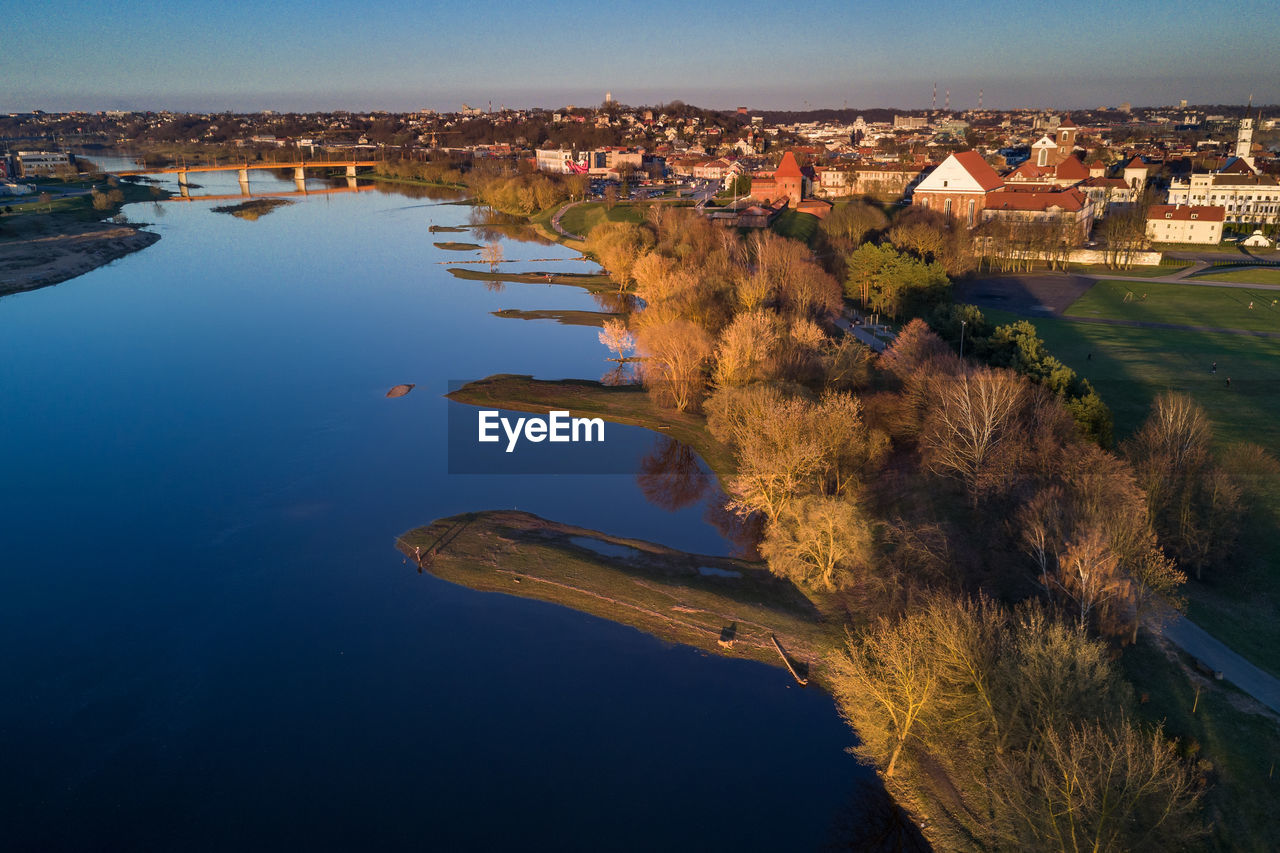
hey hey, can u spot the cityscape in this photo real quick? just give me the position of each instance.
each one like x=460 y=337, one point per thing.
x=756 y=432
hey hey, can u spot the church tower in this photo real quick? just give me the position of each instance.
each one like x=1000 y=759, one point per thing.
x=1244 y=141
x=1065 y=137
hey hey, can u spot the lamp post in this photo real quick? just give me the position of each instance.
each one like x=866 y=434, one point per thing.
x=963 y=323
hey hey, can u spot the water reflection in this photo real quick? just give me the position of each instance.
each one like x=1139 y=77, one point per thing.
x=671 y=476
x=492 y=226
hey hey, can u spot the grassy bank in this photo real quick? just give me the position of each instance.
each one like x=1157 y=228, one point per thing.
x=678 y=597
x=626 y=404
x=581 y=218
x=591 y=282
x=567 y=317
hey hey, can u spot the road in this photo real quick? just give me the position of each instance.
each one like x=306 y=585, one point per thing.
x=1193 y=640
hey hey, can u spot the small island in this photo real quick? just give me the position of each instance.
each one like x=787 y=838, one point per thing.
x=252 y=210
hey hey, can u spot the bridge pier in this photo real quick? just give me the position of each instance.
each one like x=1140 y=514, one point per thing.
x=300 y=184
x=351 y=170
x=182 y=180
x=183 y=189
x=243 y=175
x=300 y=174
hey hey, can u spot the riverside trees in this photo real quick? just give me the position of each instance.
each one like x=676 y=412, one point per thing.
x=1025 y=716
x=892 y=488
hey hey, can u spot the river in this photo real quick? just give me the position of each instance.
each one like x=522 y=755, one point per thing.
x=207 y=638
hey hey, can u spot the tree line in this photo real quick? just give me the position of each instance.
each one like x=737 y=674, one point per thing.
x=964 y=518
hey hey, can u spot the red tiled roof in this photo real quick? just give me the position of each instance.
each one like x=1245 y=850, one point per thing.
x=1072 y=169
x=1028 y=171
x=1185 y=213
x=1072 y=200
x=788 y=168
x=979 y=170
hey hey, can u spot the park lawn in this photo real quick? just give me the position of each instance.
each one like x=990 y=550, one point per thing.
x=1129 y=367
x=796 y=225
x=1181 y=305
x=581 y=218
x=1266 y=275
x=1243 y=747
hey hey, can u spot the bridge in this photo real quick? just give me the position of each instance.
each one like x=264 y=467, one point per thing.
x=299 y=169
x=244 y=193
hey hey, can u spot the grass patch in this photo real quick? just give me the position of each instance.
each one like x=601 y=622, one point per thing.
x=1242 y=747
x=563 y=317
x=627 y=404
x=1215 y=248
x=1181 y=304
x=78 y=208
x=592 y=282
x=796 y=225
x=667 y=593
x=251 y=210
x=1147 y=271
x=1265 y=275
x=581 y=218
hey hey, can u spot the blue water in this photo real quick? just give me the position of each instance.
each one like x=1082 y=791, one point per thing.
x=207 y=638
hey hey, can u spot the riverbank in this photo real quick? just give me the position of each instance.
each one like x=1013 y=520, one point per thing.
x=622 y=404
x=591 y=282
x=41 y=256
x=722 y=605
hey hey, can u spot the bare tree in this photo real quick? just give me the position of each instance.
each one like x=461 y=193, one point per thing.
x=817 y=542
x=492 y=254
x=615 y=336
x=969 y=423
x=748 y=349
x=675 y=356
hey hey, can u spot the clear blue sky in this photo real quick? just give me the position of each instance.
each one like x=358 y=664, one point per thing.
x=288 y=55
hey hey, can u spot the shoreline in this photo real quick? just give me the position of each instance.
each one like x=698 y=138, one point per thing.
x=33 y=262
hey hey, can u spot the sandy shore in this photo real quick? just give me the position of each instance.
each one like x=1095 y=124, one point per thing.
x=34 y=259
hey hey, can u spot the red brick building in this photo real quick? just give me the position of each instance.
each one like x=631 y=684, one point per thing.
x=959 y=187
x=787 y=181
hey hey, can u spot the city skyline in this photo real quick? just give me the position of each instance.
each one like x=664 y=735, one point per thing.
x=154 y=56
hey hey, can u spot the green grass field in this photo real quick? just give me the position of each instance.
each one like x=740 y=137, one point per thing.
x=1242 y=747
x=1181 y=304
x=581 y=218
x=1264 y=275
x=796 y=225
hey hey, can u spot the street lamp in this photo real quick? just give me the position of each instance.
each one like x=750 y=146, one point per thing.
x=963 y=323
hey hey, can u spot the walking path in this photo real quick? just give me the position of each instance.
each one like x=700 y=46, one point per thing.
x=861 y=333
x=555 y=222
x=1193 y=640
